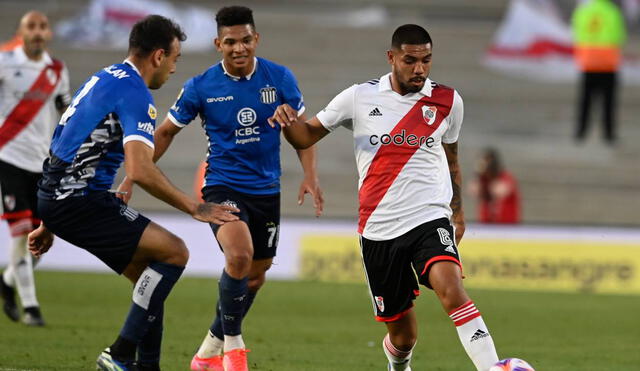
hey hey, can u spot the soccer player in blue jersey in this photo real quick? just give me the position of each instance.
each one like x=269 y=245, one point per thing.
x=110 y=120
x=234 y=98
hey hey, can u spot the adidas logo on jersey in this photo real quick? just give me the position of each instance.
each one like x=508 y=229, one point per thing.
x=375 y=112
x=479 y=334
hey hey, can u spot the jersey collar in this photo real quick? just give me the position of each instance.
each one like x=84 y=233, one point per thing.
x=385 y=85
x=127 y=61
x=237 y=78
x=22 y=57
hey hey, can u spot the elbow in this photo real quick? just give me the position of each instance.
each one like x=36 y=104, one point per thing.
x=137 y=175
x=301 y=145
x=134 y=176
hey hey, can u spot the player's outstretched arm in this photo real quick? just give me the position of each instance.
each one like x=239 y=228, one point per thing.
x=451 y=150
x=162 y=140
x=140 y=168
x=300 y=133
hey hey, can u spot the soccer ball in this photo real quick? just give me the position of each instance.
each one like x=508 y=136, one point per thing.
x=511 y=364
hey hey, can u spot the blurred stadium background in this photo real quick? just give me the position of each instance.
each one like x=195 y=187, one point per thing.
x=578 y=200
x=332 y=44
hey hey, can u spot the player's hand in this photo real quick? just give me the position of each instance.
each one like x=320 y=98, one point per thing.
x=311 y=186
x=458 y=223
x=284 y=116
x=125 y=190
x=209 y=212
x=40 y=241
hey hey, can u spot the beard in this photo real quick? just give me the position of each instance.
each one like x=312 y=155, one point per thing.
x=410 y=88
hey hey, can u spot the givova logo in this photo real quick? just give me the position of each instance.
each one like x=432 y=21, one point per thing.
x=145 y=287
x=144 y=282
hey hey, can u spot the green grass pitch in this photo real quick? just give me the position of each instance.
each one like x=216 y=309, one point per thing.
x=323 y=326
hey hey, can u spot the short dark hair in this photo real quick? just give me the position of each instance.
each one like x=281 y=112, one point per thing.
x=494 y=162
x=234 y=15
x=410 y=34
x=154 y=32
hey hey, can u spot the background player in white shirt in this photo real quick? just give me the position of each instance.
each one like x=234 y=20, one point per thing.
x=34 y=91
x=405 y=130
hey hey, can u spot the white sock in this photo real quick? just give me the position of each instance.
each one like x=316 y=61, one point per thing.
x=8 y=277
x=9 y=273
x=474 y=336
x=22 y=265
x=211 y=346
x=233 y=342
x=398 y=359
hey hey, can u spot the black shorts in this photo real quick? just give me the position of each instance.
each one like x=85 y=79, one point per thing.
x=99 y=223
x=260 y=212
x=395 y=267
x=19 y=190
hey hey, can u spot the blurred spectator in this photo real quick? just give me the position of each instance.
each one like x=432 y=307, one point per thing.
x=599 y=33
x=496 y=190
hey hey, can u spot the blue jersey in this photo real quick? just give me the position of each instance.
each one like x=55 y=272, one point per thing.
x=244 y=150
x=112 y=107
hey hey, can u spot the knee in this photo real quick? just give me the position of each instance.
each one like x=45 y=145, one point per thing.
x=179 y=253
x=239 y=258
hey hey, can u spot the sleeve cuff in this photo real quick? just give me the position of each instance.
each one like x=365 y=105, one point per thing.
x=301 y=111
x=321 y=119
x=175 y=121
x=138 y=138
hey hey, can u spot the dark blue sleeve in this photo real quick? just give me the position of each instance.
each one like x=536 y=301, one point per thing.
x=291 y=93
x=137 y=116
x=187 y=105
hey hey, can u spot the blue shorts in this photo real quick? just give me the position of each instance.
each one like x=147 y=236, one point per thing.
x=99 y=223
x=260 y=212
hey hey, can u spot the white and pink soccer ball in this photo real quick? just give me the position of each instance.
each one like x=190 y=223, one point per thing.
x=511 y=364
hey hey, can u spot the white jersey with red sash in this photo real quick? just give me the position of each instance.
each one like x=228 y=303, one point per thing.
x=28 y=113
x=402 y=166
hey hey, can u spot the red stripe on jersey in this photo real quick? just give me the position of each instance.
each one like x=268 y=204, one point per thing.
x=390 y=159
x=30 y=105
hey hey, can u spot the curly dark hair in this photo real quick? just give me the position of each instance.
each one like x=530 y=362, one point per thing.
x=234 y=15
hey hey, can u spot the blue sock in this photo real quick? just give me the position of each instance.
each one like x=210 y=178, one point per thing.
x=149 y=347
x=149 y=294
x=216 y=327
x=233 y=294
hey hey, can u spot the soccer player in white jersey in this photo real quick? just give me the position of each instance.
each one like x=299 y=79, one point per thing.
x=405 y=129
x=34 y=91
